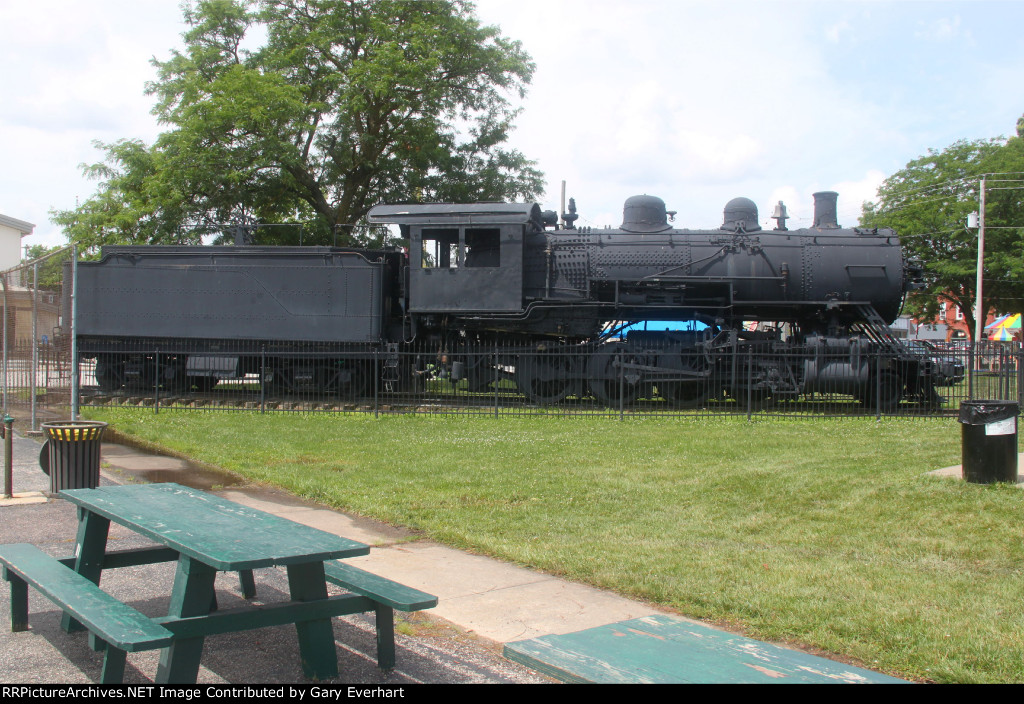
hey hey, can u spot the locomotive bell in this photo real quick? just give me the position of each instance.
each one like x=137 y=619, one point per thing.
x=741 y=214
x=644 y=214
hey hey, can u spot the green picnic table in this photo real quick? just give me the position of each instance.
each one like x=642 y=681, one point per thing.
x=206 y=534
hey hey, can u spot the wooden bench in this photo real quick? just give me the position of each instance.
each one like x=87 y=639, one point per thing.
x=113 y=626
x=386 y=596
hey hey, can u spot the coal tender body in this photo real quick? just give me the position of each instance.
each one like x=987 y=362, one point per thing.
x=184 y=318
x=490 y=290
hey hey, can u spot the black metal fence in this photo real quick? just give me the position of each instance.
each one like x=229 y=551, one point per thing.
x=41 y=380
x=509 y=380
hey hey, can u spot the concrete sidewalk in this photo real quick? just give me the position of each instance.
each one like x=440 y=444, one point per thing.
x=568 y=631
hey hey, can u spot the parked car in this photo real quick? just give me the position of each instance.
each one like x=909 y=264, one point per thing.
x=946 y=368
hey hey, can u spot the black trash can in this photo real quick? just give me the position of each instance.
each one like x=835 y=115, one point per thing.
x=71 y=455
x=989 y=441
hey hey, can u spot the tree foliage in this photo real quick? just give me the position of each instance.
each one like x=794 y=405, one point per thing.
x=928 y=203
x=341 y=104
x=50 y=269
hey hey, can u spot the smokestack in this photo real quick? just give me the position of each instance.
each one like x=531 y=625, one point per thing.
x=825 y=216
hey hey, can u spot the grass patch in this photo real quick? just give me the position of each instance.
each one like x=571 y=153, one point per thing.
x=826 y=533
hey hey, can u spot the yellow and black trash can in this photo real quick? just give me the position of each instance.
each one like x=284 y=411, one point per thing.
x=71 y=454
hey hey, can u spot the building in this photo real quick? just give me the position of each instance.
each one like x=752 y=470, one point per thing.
x=19 y=302
x=11 y=232
x=948 y=326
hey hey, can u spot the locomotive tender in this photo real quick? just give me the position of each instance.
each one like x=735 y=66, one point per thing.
x=495 y=290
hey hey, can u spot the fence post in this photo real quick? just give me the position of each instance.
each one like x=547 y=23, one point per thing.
x=35 y=341
x=3 y=280
x=156 y=382
x=1018 y=354
x=733 y=362
x=971 y=353
x=1004 y=377
x=74 y=369
x=495 y=366
x=878 y=385
x=750 y=383
x=622 y=387
x=263 y=378
x=7 y=432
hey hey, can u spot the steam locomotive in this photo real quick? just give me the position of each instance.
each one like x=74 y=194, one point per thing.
x=492 y=291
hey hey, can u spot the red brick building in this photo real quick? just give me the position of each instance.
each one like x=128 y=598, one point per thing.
x=949 y=325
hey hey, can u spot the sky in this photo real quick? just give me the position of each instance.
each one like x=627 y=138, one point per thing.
x=696 y=102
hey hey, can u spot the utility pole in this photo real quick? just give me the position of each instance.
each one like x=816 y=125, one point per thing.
x=979 y=314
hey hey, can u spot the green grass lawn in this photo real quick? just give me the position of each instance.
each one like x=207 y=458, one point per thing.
x=825 y=533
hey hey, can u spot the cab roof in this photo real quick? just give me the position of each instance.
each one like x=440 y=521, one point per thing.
x=457 y=214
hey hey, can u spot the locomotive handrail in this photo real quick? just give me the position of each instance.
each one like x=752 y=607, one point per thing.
x=687 y=264
x=717 y=279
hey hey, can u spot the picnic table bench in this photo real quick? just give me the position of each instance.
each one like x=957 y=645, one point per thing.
x=116 y=627
x=204 y=534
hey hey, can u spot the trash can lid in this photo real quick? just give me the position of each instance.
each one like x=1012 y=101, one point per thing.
x=73 y=429
x=985 y=411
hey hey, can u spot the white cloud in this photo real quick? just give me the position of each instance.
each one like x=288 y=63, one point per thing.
x=855 y=193
x=718 y=157
x=835 y=33
x=942 y=29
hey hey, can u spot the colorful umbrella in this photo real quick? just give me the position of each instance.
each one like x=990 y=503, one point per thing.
x=1002 y=328
x=998 y=321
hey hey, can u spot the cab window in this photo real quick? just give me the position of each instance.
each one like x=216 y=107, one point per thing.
x=440 y=249
x=483 y=247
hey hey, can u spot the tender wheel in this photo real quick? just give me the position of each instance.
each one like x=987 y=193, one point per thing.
x=347 y=380
x=545 y=379
x=174 y=379
x=109 y=374
x=479 y=373
x=604 y=378
x=278 y=380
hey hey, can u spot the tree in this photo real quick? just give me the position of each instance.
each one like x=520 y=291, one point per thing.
x=347 y=103
x=50 y=268
x=928 y=203
x=1003 y=284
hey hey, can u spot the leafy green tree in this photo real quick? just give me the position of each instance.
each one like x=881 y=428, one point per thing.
x=928 y=203
x=344 y=104
x=1003 y=284
x=50 y=269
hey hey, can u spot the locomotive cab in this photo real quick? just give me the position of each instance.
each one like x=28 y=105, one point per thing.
x=463 y=258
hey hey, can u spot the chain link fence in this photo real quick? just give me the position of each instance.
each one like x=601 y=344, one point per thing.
x=38 y=372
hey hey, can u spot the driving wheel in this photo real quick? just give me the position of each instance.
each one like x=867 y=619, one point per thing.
x=545 y=378
x=610 y=382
